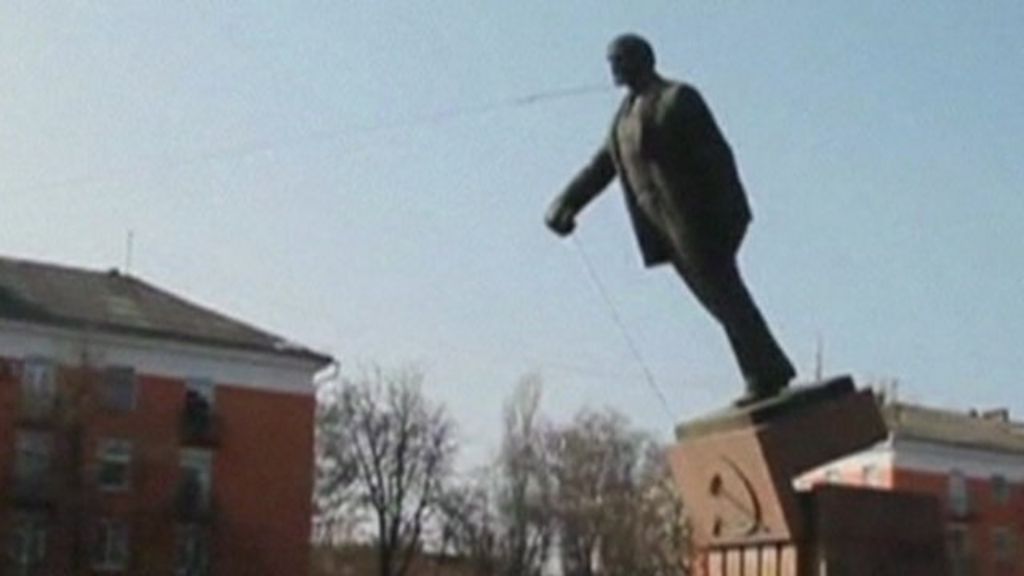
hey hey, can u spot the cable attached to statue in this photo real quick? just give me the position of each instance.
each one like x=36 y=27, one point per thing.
x=595 y=280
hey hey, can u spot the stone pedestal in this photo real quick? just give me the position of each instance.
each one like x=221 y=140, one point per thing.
x=735 y=471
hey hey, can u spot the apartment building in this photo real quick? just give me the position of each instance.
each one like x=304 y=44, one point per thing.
x=972 y=461
x=141 y=433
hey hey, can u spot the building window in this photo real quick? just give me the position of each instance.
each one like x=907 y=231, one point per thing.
x=33 y=456
x=26 y=544
x=1004 y=546
x=115 y=464
x=958 y=546
x=199 y=421
x=110 y=549
x=959 y=501
x=192 y=552
x=196 y=481
x=119 y=388
x=38 y=387
x=1000 y=489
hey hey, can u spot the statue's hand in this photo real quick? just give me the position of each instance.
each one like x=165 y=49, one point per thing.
x=560 y=219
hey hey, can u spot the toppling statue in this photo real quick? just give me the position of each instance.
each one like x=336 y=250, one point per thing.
x=686 y=202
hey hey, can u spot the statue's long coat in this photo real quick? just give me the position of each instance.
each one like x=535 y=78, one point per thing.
x=691 y=161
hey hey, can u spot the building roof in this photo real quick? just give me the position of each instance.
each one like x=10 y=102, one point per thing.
x=115 y=302
x=991 y=431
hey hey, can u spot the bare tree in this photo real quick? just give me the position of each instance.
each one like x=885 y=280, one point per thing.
x=385 y=454
x=338 y=509
x=525 y=489
x=470 y=527
x=617 y=514
x=502 y=522
x=663 y=531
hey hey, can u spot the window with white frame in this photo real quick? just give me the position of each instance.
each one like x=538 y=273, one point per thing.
x=114 y=464
x=959 y=549
x=38 y=386
x=26 y=543
x=1004 y=546
x=192 y=551
x=33 y=455
x=959 y=500
x=119 y=388
x=1000 y=489
x=110 y=548
x=197 y=475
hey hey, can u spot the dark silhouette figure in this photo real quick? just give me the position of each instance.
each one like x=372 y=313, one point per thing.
x=686 y=202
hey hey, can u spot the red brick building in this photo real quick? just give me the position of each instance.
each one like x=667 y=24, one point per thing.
x=143 y=434
x=972 y=462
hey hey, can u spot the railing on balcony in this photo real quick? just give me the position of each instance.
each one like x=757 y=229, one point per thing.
x=199 y=423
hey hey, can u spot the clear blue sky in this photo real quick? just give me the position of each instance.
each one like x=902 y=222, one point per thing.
x=324 y=169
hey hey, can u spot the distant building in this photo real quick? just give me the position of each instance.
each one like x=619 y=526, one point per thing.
x=143 y=434
x=972 y=462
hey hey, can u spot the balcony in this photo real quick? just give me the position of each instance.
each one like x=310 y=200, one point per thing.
x=193 y=503
x=199 y=424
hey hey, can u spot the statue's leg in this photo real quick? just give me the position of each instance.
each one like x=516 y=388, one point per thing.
x=717 y=284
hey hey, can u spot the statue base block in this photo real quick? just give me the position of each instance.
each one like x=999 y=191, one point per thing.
x=735 y=468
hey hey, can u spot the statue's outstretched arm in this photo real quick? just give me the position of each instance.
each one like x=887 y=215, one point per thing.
x=586 y=185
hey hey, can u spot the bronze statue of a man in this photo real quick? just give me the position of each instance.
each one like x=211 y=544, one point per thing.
x=686 y=202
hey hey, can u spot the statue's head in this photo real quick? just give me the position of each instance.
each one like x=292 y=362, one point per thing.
x=631 y=59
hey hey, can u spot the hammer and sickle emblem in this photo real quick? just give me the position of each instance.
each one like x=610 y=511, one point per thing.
x=738 y=510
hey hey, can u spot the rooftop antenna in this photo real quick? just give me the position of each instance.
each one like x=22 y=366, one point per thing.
x=129 y=246
x=819 y=358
